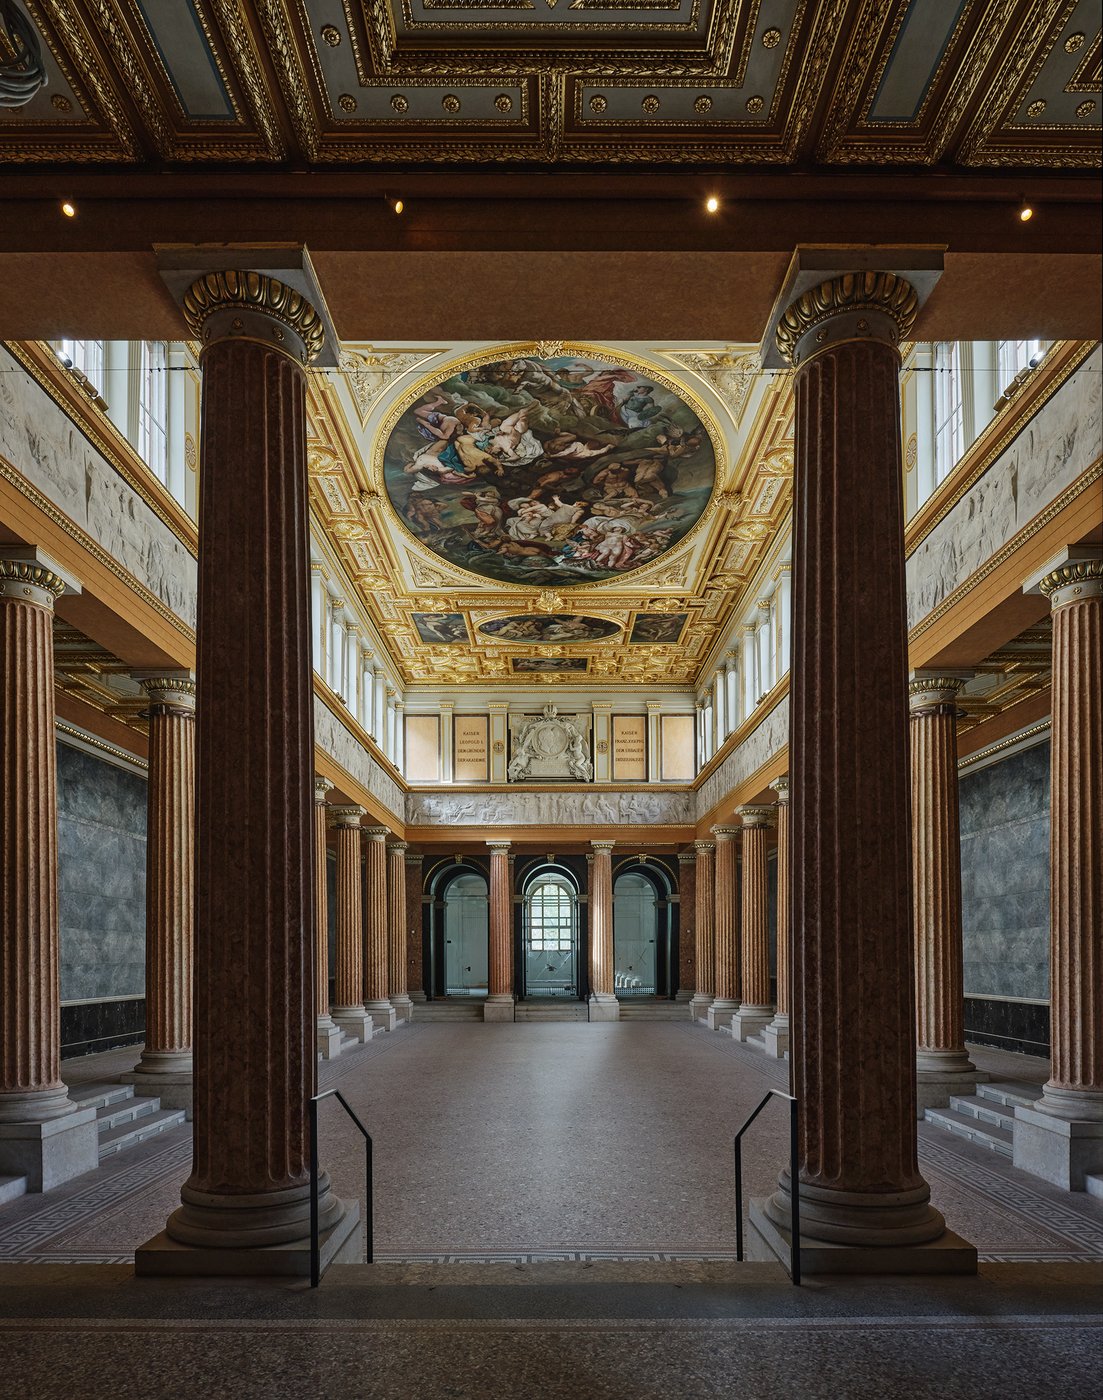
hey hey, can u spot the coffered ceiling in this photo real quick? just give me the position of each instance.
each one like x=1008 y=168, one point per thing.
x=955 y=83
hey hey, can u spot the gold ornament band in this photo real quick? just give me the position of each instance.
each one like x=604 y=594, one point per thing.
x=30 y=582
x=252 y=297
x=853 y=295
x=756 y=816
x=1073 y=582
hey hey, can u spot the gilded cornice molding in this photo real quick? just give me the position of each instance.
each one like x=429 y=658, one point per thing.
x=216 y=293
x=853 y=292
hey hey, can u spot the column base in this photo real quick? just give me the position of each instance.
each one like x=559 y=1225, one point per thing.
x=341 y=1243
x=327 y=1037
x=383 y=1015
x=53 y=1151
x=499 y=1006
x=173 y=1088
x=418 y=995
x=776 y=1037
x=699 y=1005
x=1060 y=1150
x=403 y=1006
x=354 y=1020
x=934 y=1088
x=749 y=1020
x=603 y=1007
x=719 y=1015
x=769 y=1241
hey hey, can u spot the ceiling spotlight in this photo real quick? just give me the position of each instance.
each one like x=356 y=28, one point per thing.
x=69 y=209
x=397 y=204
x=712 y=204
x=1026 y=213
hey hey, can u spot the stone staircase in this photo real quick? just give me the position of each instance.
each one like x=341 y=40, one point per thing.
x=11 y=1188
x=552 y=1011
x=123 y=1117
x=653 y=1009
x=470 y=1009
x=986 y=1117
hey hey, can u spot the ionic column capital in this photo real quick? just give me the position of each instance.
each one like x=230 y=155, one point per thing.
x=345 y=816
x=1073 y=582
x=931 y=692
x=781 y=787
x=704 y=848
x=322 y=786
x=602 y=845
x=170 y=692
x=397 y=848
x=499 y=848
x=754 y=816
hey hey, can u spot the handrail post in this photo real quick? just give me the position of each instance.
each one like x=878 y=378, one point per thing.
x=315 y=1250
x=738 y=1199
x=794 y=1191
x=369 y=1207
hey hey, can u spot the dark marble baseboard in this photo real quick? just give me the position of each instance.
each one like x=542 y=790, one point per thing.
x=91 y=1026
x=1012 y=1025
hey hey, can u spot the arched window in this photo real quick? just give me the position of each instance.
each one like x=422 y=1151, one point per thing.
x=551 y=915
x=551 y=934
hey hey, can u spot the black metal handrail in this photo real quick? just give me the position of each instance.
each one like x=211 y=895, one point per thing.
x=794 y=1246
x=369 y=1224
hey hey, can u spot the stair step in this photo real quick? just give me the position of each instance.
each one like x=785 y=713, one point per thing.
x=653 y=1011
x=11 y=1188
x=148 y=1126
x=125 y=1111
x=1000 y=1115
x=561 y=1011
x=1093 y=1185
x=449 y=1011
x=1012 y=1092
x=100 y=1095
x=963 y=1125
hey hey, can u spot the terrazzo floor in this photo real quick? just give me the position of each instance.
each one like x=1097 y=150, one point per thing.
x=553 y=1218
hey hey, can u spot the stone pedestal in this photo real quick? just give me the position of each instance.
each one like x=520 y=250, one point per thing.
x=603 y=1004
x=396 y=930
x=245 y=1208
x=705 y=906
x=942 y=1066
x=500 y=1002
x=853 y=1009
x=377 y=1002
x=44 y=1136
x=726 y=962
x=776 y=1034
x=348 y=1010
x=165 y=1066
x=327 y=1033
x=756 y=1010
x=1061 y=1137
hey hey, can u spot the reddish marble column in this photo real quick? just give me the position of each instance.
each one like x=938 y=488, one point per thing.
x=254 y=1009
x=603 y=1003
x=756 y=1009
x=165 y=1066
x=500 y=1000
x=348 y=1010
x=1061 y=1136
x=43 y=1135
x=377 y=1002
x=705 y=882
x=327 y=1032
x=853 y=1013
x=942 y=1066
x=396 y=930
x=415 y=972
x=687 y=926
x=776 y=1034
x=725 y=937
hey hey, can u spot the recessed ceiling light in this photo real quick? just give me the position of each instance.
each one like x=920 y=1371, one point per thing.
x=1026 y=213
x=69 y=209
x=397 y=204
x=712 y=204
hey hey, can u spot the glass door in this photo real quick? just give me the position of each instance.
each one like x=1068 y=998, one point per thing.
x=551 y=937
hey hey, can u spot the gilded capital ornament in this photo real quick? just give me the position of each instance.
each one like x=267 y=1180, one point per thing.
x=725 y=833
x=222 y=305
x=30 y=582
x=933 y=694
x=781 y=787
x=169 y=694
x=876 y=304
x=375 y=833
x=345 y=816
x=756 y=816
x=322 y=786
x=1073 y=582
x=704 y=847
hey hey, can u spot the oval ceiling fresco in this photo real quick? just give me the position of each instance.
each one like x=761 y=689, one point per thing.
x=563 y=469
x=556 y=627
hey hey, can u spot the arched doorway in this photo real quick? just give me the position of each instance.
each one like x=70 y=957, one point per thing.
x=635 y=935
x=550 y=934
x=460 y=932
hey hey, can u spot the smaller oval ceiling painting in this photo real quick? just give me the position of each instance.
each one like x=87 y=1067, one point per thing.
x=556 y=470
x=558 y=627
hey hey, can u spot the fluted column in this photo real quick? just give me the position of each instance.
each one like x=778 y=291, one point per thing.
x=165 y=1066
x=326 y=1030
x=348 y=1012
x=603 y=999
x=377 y=1002
x=942 y=1066
x=415 y=972
x=725 y=1003
x=43 y=1135
x=756 y=1009
x=1061 y=1136
x=776 y=1034
x=706 y=913
x=853 y=1040
x=687 y=926
x=500 y=1000
x=254 y=1014
x=396 y=930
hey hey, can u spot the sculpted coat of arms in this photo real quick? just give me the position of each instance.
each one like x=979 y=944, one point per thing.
x=550 y=745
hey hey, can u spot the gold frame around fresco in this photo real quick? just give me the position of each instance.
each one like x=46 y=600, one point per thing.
x=543 y=350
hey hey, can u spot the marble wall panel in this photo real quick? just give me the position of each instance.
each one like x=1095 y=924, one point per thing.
x=1005 y=876
x=101 y=877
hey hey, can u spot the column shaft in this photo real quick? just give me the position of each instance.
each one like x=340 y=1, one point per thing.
x=603 y=1001
x=500 y=1001
x=756 y=1009
x=327 y=1032
x=687 y=926
x=348 y=984
x=377 y=953
x=776 y=1033
x=396 y=930
x=705 y=914
x=726 y=942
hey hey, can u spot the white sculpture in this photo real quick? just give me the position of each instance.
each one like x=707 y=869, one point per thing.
x=550 y=746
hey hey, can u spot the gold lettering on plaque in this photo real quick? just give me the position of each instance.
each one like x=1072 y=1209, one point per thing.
x=629 y=748
x=471 y=748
